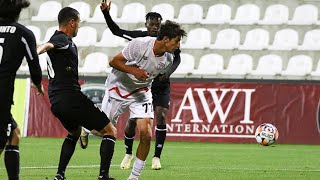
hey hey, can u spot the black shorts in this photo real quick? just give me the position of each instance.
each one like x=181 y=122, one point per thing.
x=75 y=109
x=161 y=95
x=7 y=123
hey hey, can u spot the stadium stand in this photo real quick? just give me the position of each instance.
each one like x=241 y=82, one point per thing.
x=218 y=14
x=285 y=39
x=166 y=10
x=260 y=29
x=133 y=13
x=48 y=11
x=209 y=64
x=186 y=66
x=239 y=65
x=83 y=8
x=246 y=14
x=227 y=39
x=190 y=14
x=299 y=65
x=98 y=16
x=96 y=62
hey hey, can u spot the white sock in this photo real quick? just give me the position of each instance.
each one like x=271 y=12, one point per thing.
x=137 y=168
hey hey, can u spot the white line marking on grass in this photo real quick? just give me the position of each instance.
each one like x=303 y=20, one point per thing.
x=70 y=167
x=212 y=168
x=256 y=169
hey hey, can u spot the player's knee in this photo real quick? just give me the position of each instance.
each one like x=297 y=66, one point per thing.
x=15 y=137
x=145 y=135
x=111 y=130
x=161 y=114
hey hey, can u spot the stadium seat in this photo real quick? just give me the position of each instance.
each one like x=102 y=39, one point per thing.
x=198 y=38
x=227 y=39
x=268 y=65
x=50 y=31
x=311 y=40
x=306 y=14
x=246 y=14
x=98 y=15
x=166 y=10
x=239 y=65
x=87 y=36
x=256 y=39
x=83 y=8
x=96 y=62
x=48 y=11
x=276 y=14
x=299 y=65
x=218 y=14
x=133 y=13
x=317 y=71
x=186 y=66
x=36 y=31
x=110 y=40
x=285 y=39
x=190 y=14
x=209 y=64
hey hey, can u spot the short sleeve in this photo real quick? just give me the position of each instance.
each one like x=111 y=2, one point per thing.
x=131 y=51
x=59 y=40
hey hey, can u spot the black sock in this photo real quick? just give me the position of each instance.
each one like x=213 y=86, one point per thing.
x=161 y=133
x=106 y=153
x=12 y=161
x=128 y=142
x=67 y=151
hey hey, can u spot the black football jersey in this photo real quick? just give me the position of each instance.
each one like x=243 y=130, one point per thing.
x=62 y=65
x=16 y=42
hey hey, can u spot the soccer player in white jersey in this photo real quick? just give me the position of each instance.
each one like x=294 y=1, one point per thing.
x=129 y=83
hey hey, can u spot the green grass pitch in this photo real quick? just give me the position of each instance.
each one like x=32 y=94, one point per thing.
x=180 y=161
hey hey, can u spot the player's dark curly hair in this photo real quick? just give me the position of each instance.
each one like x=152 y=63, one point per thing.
x=10 y=9
x=153 y=15
x=171 y=30
x=66 y=14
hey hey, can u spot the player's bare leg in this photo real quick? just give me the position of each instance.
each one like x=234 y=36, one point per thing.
x=128 y=141
x=161 y=133
x=145 y=130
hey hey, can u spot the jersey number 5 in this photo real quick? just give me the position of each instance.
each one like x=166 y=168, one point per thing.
x=1 y=48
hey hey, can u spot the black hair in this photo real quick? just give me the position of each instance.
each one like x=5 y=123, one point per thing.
x=153 y=15
x=171 y=30
x=10 y=9
x=66 y=14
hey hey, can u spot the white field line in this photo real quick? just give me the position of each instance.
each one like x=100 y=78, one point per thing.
x=212 y=168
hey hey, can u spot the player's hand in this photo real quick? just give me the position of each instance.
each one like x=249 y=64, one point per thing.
x=39 y=88
x=105 y=6
x=140 y=74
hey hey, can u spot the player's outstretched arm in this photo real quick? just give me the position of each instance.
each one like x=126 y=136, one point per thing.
x=44 y=47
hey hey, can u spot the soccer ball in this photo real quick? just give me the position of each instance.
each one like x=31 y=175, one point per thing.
x=266 y=134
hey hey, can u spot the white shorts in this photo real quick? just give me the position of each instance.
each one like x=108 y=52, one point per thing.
x=113 y=108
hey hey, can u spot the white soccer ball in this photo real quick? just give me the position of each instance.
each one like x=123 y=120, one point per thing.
x=266 y=134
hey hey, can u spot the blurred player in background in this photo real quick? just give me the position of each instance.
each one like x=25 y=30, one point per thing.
x=16 y=42
x=160 y=88
x=129 y=83
x=68 y=103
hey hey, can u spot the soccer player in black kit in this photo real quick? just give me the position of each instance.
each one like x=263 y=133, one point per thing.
x=160 y=86
x=16 y=42
x=68 y=103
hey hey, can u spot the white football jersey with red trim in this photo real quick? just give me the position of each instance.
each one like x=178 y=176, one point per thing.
x=139 y=53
